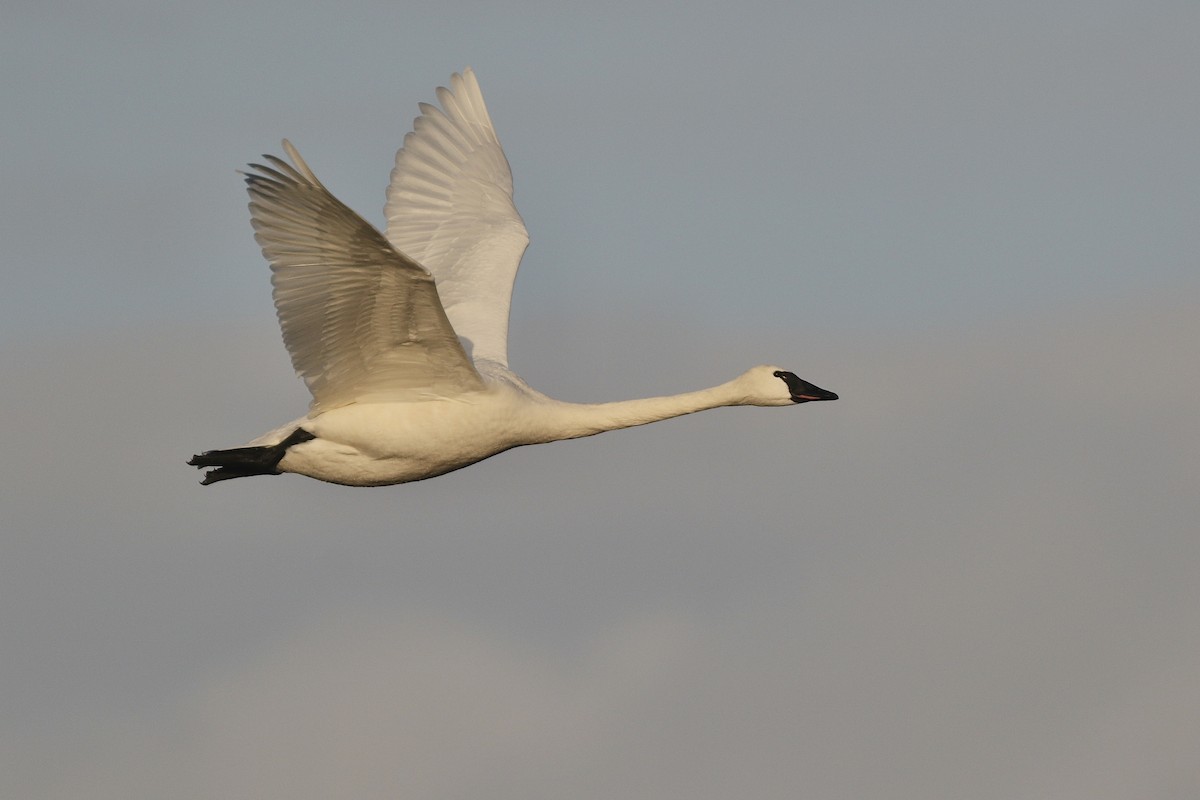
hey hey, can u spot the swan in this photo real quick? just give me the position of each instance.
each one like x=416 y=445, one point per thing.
x=401 y=337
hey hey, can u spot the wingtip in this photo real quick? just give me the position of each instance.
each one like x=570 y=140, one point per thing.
x=464 y=82
x=292 y=152
x=301 y=165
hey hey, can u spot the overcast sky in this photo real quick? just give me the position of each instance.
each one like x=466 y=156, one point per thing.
x=975 y=575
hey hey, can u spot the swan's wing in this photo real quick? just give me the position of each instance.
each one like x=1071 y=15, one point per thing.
x=450 y=209
x=362 y=322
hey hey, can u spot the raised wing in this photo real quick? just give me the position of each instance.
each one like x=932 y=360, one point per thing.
x=362 y=322
x=450 y=209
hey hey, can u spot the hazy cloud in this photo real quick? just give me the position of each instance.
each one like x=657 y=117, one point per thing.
x=975 y=576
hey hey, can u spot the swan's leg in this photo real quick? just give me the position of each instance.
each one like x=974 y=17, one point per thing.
x=242 y=462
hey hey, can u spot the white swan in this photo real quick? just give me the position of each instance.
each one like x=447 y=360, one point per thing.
x=403 y=340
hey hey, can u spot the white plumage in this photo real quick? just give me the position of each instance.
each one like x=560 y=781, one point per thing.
x=402 y=339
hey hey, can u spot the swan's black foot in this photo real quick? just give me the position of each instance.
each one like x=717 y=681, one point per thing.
x=242 y=462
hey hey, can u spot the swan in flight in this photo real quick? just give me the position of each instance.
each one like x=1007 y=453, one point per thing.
x=402 y=337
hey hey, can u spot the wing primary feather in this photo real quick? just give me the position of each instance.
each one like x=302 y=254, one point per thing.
x=300 y=163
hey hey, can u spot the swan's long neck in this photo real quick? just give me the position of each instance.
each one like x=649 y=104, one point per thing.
x=573 y=420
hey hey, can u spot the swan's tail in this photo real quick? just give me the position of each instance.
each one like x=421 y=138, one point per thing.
x=242 y=462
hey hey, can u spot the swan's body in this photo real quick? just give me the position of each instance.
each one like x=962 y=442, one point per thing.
x=403 y=340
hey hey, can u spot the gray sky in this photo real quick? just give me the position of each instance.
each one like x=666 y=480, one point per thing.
x=975 y=575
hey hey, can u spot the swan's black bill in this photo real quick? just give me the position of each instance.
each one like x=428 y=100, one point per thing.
x=801 y=390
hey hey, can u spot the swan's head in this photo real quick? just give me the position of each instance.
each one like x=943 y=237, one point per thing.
x=772 y=386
